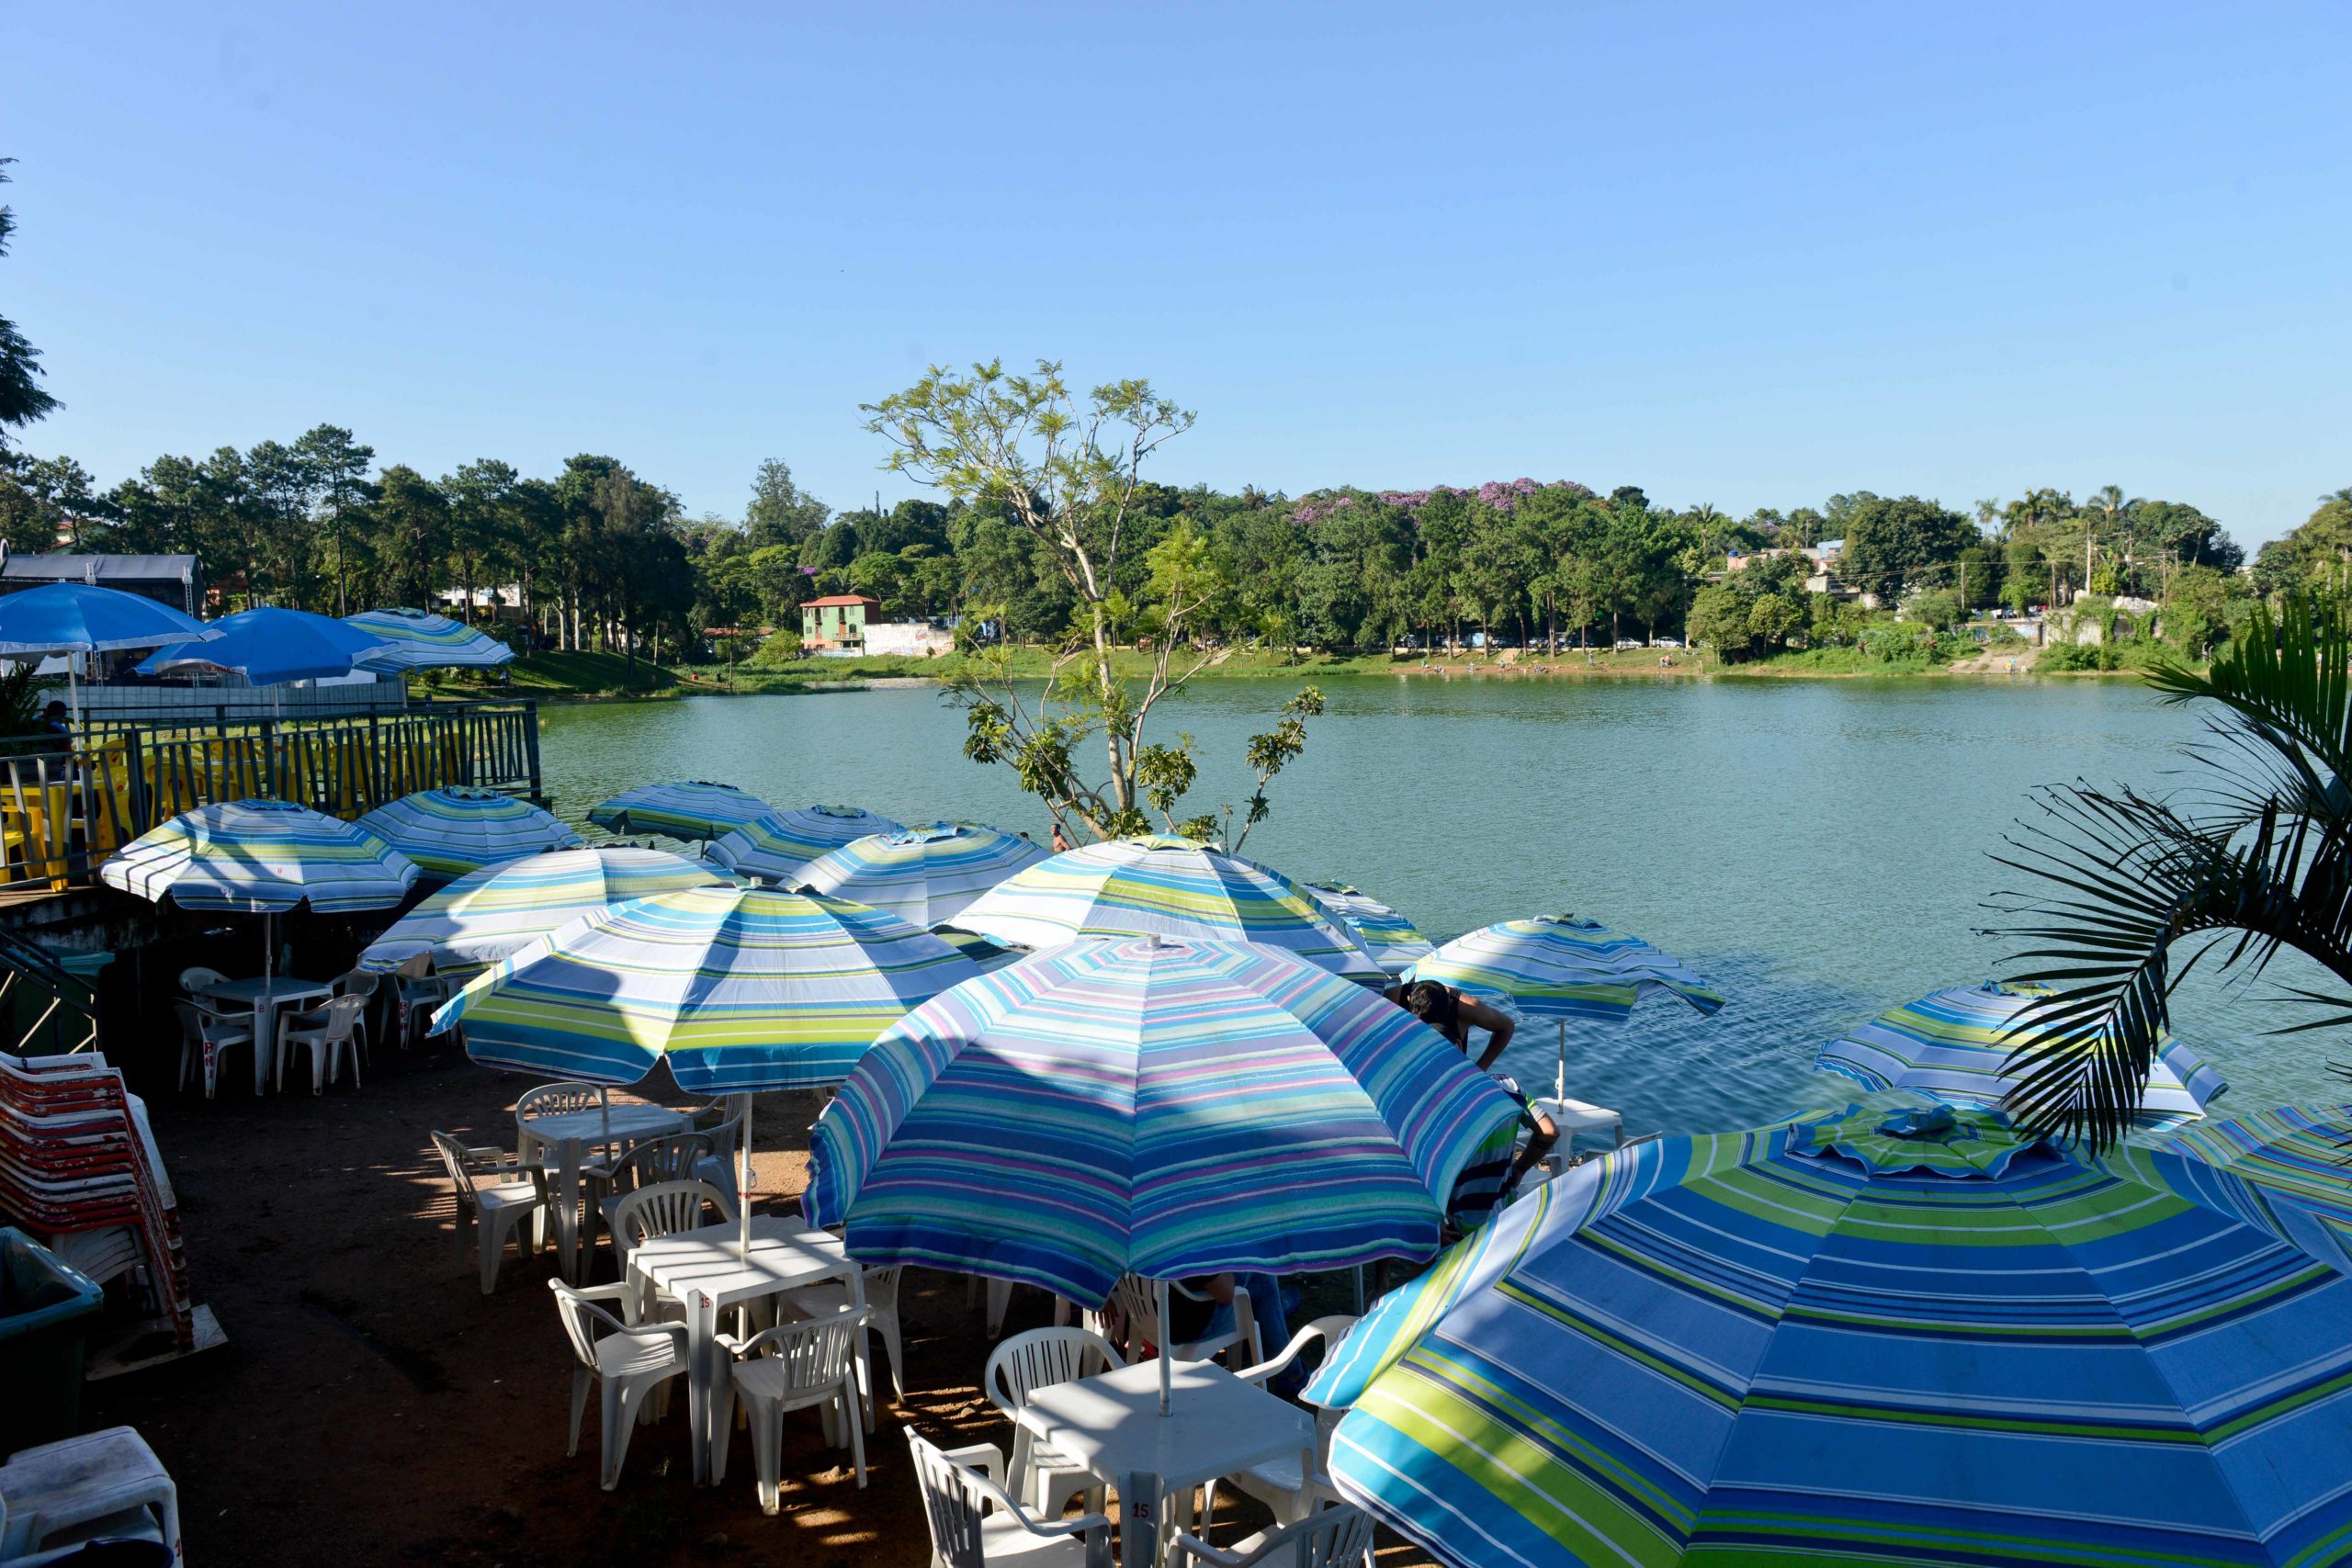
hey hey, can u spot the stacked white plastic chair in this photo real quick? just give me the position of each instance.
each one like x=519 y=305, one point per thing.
x=80 y=1172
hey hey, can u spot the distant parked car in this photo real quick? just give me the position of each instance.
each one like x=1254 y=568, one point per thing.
x=1626 y=642
x=1666 y=642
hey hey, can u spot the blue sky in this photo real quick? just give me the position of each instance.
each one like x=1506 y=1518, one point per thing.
x=1746 y=255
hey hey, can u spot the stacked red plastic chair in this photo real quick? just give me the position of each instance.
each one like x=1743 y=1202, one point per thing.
x=78 y=1170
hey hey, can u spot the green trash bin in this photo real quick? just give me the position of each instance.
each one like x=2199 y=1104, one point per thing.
x=46 y=1312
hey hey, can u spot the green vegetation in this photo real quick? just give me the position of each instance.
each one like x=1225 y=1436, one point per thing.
x=2127 y=893
x=22 y=397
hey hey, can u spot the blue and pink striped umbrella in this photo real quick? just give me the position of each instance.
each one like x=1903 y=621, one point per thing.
x=1165 y=1108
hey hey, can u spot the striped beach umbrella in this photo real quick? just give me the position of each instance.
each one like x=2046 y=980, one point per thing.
x=449 y=832
x=737 y=988
x=1165 y=1108
x=685 y=809
x=487 y=914
x=2297 y=1151
x=260 y=857
x=780 y=846
x=1954 y=1044
x=418 y=639
x=1560 y=967
x=924 y=875
x=1394 y=941
x=1166 y=887
x=1843 y=1343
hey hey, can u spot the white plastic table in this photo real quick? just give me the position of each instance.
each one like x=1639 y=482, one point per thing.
x=705 y=1269
x=572 y=1133
x=268 y=998
x=1217 y=1424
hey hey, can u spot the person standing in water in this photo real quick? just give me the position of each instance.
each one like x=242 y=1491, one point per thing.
x=1061 y=839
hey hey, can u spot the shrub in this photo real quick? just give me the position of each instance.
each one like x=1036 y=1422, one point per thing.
x=784 y=647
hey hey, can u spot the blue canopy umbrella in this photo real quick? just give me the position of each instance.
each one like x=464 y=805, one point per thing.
x=270 y=646
x=80 y=617
x=1919 y=1339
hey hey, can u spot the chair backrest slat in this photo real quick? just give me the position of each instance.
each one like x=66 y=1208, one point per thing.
x=556 y=1099
x=673 y=1158
x=952 y=1505
x=664 y=1209
x=1042 y=1358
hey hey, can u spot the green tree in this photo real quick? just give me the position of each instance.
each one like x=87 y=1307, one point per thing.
x=1893 y=546
x=780 y=513
x=410 y=519
x=335 y=473
x=22 y=397
x=1071 y=474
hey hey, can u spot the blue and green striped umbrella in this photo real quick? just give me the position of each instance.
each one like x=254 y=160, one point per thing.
x=487 y=914
x=1164 y=1108
x=260 y=857
x=419 y=640
x=1842 y=1344
x=1166 y=887
x=2298 y=1152
x=686 y=810
x=1559 y=967
x=780 y=846
x=924 y=875
x=1955 y=1045
x=449 y=832
x=737 y=988
x=1394 y=941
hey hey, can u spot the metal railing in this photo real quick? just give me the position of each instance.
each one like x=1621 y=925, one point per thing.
x=63 y=811
x=48 y=1011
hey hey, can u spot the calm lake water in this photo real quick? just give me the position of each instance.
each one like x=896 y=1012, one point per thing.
x=1818 y=850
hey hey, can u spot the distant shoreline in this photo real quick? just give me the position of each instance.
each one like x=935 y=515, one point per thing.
x=850 y=675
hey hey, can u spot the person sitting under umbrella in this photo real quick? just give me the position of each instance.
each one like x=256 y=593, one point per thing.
x=1455 y=1015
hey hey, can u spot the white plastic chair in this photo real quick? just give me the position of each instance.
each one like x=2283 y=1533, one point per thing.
x=794 y=1366
x=419 y=991
x=664 y=1209
x=1137 y=1300
x=104 y=1485
x=1331 y=1538
x=677 y=1157
x=882 y=1318
x=974 y=1523
x=554 y=1100
x=205 y=1035
x=626 y=1361
x=1043 y=1476
x=329 y=1032
x=717 y=1166
x=196 y=977
x=494 y=1207
x=363 y=984
x=1277 y=1483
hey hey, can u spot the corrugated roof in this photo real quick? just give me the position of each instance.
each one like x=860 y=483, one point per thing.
x=840 y=599
x=108 y=568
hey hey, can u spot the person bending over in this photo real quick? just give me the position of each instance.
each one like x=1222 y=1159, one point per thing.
x=1455 y=1015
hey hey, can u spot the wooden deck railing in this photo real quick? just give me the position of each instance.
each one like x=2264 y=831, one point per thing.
x=62 y=812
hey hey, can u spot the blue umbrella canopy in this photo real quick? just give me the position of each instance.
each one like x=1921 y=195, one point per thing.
x=1167 y=1108
x=1920 y=1339
x=270 y=646
x=79 y=617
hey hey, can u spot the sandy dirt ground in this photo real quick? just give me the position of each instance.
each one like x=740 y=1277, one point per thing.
x=372 y=1406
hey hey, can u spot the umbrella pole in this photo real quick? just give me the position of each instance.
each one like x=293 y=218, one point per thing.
x=1560 y=1082
x=1167 y=1357
x=74 y=687
x=743 y=1187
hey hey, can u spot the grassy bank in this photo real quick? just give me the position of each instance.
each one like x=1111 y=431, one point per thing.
x=560 y=676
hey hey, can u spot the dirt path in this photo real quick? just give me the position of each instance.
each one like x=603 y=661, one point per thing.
x=372 y=1406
